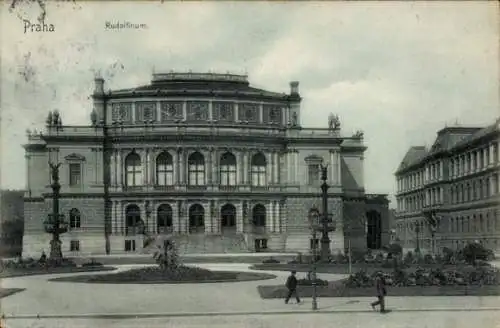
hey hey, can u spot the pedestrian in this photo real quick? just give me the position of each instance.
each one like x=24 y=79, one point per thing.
x=291 y=285
x=381 y=292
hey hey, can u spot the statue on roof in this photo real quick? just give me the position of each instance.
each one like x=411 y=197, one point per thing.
x=93 y=117
x=359 y=134
x=333 y=122
x=294 y=119
x=49 y=119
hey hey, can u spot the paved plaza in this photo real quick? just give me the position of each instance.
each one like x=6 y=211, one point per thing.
x=65 y=304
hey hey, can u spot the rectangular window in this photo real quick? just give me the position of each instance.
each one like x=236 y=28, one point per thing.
x=74 y=245
x=165 y=174
x=75 y=173
x=313 y=174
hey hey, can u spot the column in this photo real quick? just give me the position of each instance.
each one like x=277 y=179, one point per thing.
x=184 y=111
x=182 y=166
x=269 y=217
x=114 y=227
x=238 y=167
x=154 y=218
x=210 y=111
x=339 y=168
x=261 y=113
x=216 y=218
x=175 y=217
x=276 y=167
x=277 y=225
x=175 y=159
x=179 y=213
x=331 y=168
x=289 y=162
x=144 y=162
x=121 y=217
x=441 y=170
x=269 y=168
x=119 y=165
x=215 y=166
x=295 y=167
x=112 y=169
x=485 y=158
x=492 y=184
x=239 y=216
x=236 y=112
x=492 y=154
x=210 y=166
x=148 y=167
x=246 y=170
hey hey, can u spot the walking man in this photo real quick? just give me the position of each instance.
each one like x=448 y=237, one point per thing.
x=291 y=284
x=381 y=292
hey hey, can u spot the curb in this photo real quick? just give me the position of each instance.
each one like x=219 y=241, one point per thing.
x=213 y=314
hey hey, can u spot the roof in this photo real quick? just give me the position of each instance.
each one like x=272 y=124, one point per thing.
x=188 y=83
x=448 y=139
x=413 y=156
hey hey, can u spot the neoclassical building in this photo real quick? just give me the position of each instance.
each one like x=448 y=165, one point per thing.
x=218 y=164
x=449 y=195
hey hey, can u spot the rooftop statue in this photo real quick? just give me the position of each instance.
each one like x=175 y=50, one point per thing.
x=333 y=122
x=358 y=134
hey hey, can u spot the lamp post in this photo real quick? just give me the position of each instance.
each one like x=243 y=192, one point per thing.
x=417 y=231
x=55 y=223
x=325 y=240
x=313 y=223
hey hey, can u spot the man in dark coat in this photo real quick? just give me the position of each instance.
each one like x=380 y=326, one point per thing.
x=291 y=284
x=381 y=292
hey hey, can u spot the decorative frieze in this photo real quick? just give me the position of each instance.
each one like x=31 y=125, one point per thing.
x=223 y=111
x=197 y=111
x=121 y=112
x=170 y=111
x=248 y=112
x=145 y=111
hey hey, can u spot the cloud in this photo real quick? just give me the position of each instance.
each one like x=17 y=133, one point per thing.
x=399 y=71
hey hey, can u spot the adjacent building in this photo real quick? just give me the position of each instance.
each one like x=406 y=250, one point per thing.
x=448 y=196
x=216 y=163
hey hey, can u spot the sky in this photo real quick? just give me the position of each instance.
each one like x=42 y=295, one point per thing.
x=399 y=71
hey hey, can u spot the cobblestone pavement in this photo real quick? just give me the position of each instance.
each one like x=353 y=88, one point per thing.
x=62 y=304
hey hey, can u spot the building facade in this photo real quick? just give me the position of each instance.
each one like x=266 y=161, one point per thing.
x=448 y=196
x=218 y=164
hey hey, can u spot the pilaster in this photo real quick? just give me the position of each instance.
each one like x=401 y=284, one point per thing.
x=215 y=166
x=119 y=165
x=114 y=223
x=269 y=217
x=239 y=216
x=246 y=168
x=276 y=167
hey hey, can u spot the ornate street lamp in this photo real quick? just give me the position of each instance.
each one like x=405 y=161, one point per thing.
x=55 y=223
x=313 y=224
x=325 y=240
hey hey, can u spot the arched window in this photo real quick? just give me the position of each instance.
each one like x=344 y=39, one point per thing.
x=133 y=170
x=259 y=215
x=258 y=170
x=228 y=216
x=132 y=219
x=196 y=169
x=481 y=223
x=228 y=169
x=164 y=169
x=164 y=218
x=196 y=218
x=74 y=218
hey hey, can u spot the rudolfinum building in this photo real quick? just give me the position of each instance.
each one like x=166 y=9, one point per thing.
x=217 y=164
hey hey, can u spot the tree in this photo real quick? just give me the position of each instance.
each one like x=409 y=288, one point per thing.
x=166 y=255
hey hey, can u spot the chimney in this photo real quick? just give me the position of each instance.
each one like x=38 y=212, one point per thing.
x=98 y=84
x=294 y=88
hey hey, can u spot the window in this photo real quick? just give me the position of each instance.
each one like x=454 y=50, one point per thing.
x=75 y=174
x=313 y=174
x=258 y=170
x=133 y=170
x=314 y=243
x=164 y=170
x=228 y=169
x=164 y=218
x=74 y=218
x=129 y=245
x=74 y=246
x=196 y=168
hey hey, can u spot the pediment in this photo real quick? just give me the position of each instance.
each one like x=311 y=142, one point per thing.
x=74 y=157
x=314 y=159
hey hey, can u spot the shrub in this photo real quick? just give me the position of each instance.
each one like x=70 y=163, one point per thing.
x=475 y=251
x=309 y=282
x=428 y=259
x=270 y=260
x=408 y=260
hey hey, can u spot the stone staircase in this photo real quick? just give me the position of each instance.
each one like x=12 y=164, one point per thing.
x=211 y=244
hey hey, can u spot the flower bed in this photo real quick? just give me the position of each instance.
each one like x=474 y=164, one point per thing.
x=155 y=275
x=477 y=281
x=28 y=267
